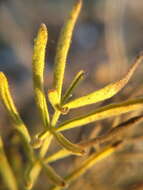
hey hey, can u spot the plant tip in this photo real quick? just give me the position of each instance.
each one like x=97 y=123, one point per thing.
x=43 y=26
x=117 y=143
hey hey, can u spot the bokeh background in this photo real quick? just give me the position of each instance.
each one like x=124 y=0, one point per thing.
x=107 y=37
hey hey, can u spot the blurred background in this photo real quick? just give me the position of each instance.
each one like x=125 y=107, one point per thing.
x=107 y=37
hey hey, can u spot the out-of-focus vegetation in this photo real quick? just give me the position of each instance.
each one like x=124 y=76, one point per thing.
x=107 y=37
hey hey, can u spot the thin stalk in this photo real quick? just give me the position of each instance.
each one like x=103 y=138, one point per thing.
x=88 y=163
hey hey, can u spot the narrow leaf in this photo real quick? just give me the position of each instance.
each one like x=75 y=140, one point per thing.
x=106 y=92
x=114 y=133
x=63 y=47
x=19 y=125
x=6 y=171
x=103 y=113
x=63 y=141
x=88 y=163
x=72 y=86
x=38 y=64
x=111 y=135
x=62 y=153
x=7 y=101
x=75 y=149
x=52 y=175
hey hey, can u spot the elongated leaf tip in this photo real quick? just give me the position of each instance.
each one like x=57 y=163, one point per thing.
x=2 y=76
x=53 y=176
x=74 y=148
x=42 y=36
x=43 y=26
x=79 y=1
x=43 y=29
x=81 y=73
x=116 y=144
x=139 y=55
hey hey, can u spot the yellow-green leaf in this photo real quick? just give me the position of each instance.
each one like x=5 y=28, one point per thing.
x=52 y=175
x=38 y=64
x=63 y=141
x=19 y=125
x=62 y=153
x=76 y=80
x=113 y=133
x=6 y=171
x=88 y=163
x=7 y=101
x=63 y=48
x=75 y=149
x=106 y=92
x=103 y=113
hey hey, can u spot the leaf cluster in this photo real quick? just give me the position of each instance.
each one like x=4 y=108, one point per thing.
x=61 y=103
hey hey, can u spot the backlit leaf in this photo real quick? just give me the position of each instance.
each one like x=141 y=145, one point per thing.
x=7 y=101
x=106 y=92
x=63 y=48
x=75 y=82
x=38 y=64
x=75 y=149
x=102 y=113
x=52 y=175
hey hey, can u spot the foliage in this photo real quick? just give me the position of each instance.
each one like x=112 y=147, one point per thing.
x=37 y=159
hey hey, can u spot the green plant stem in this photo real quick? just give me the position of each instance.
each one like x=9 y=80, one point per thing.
x=36 y=168
x=6 y=171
